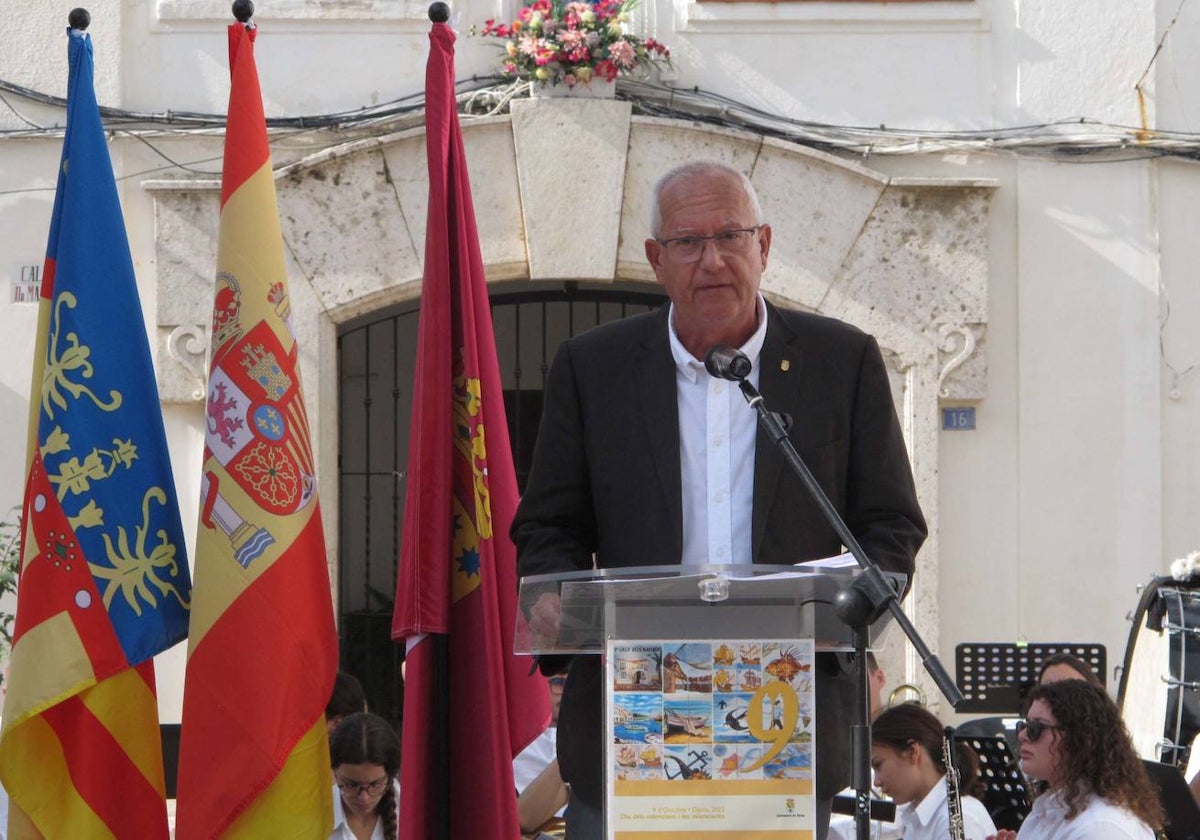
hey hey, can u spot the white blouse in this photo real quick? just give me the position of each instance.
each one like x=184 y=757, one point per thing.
x=1098 y=818
x=930 y=820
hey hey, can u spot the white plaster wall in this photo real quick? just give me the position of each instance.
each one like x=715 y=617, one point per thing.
x=1178 y=189
x=1083 y=477
x=1076 y=60
x=1089 y=459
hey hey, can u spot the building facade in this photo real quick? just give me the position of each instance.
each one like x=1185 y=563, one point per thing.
x=1000 y=191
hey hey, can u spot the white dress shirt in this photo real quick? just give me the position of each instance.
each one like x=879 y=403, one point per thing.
x=930 y=820
x=717 y=430
x=1098 y=819
x=533 y=759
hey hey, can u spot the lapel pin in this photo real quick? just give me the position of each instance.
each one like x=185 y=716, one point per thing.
x=785 y=365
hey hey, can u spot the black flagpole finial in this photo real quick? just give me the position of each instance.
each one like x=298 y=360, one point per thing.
x=243 y=10
x=439 y=12
x=79 y=19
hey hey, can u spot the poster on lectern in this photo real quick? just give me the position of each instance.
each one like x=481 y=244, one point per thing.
x=711 y=739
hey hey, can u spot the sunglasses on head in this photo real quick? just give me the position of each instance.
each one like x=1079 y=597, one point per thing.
x=1033 y=729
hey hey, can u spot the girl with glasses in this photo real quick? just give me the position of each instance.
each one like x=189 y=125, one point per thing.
x=1090 y=783
x=365 y=753
x=910 y=767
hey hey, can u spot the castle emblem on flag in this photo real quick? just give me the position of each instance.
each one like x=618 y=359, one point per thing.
x=472 y=521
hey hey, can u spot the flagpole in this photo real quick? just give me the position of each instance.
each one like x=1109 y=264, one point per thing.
x=441 y=681
x=439 y=12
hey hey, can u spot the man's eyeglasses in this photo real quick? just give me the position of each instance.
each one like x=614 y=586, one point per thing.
x=689 y=249
x=1033 y=729
x=372 y=789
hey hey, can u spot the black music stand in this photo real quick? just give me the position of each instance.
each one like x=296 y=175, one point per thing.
x=1182 y=812
x=1005 y=795
x=882 y=810
x=995 y=676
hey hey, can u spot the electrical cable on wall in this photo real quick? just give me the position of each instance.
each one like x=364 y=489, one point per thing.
x=1076 y=138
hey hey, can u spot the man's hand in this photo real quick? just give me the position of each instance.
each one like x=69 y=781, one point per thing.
x=544 y=620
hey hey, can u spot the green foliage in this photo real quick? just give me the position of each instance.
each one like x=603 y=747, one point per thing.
x=10 y=563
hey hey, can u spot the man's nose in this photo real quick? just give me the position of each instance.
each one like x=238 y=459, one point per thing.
x=709 y=254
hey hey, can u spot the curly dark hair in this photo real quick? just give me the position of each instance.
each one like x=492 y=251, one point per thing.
x=364 y=738
x=902 y=725
x=1095 y=753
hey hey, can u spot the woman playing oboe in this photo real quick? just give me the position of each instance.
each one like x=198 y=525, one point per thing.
x=1091 y=784
x=907 y=754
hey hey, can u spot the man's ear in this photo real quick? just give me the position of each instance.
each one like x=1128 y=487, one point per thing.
x=764 y=243
x=654 y=255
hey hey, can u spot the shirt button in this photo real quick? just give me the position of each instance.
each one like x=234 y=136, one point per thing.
x=716 y=441
x=718 y=498
x=721 y=551
x=719 y=387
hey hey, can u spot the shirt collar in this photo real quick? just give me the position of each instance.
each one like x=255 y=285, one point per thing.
x=691 y=367
x=339 y=808
x=934 y=800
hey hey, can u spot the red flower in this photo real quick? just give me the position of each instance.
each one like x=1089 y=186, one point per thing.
x=606 y=70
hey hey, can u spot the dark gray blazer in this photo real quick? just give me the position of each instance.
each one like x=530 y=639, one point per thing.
x=606 y=479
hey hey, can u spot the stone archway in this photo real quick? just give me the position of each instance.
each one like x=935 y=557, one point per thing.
x=561 y=190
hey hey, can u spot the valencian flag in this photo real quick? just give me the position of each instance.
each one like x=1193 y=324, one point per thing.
x=104 y=577
x=457 y=576
x=262 y=651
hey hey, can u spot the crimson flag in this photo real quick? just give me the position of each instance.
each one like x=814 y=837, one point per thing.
x=457 y=575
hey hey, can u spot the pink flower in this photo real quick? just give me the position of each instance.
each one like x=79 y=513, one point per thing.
x=528 y=45
x=622 y=54
x=572 y=39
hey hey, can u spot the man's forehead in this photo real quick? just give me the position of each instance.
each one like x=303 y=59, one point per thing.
x=706 y=205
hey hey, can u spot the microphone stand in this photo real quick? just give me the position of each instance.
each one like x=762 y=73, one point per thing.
x=858 y=606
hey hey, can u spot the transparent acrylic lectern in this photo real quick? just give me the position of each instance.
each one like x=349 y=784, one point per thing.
x=709 y=698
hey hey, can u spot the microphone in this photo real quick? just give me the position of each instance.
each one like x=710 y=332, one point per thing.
x=724 y=362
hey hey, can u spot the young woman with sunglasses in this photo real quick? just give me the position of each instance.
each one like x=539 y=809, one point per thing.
x=365 y=753
x=1090 y=783
x=910 y=767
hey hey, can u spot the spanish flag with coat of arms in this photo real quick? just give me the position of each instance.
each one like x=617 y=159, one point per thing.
x=262 y=654
x=104 y=579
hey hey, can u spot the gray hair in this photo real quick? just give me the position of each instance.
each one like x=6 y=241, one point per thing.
x=693 y=169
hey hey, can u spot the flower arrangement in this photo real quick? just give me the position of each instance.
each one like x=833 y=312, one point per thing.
x=554 y=41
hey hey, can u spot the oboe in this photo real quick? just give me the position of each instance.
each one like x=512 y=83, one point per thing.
x=953 y=795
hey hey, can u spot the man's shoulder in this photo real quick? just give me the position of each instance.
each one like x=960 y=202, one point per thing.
x=821 y=327
x=621 y=334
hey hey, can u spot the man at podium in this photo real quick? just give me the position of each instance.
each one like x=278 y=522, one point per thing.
x=643 y=458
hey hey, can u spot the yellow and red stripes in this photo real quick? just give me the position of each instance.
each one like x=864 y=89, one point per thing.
x=91 y=766
x=245 y=692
